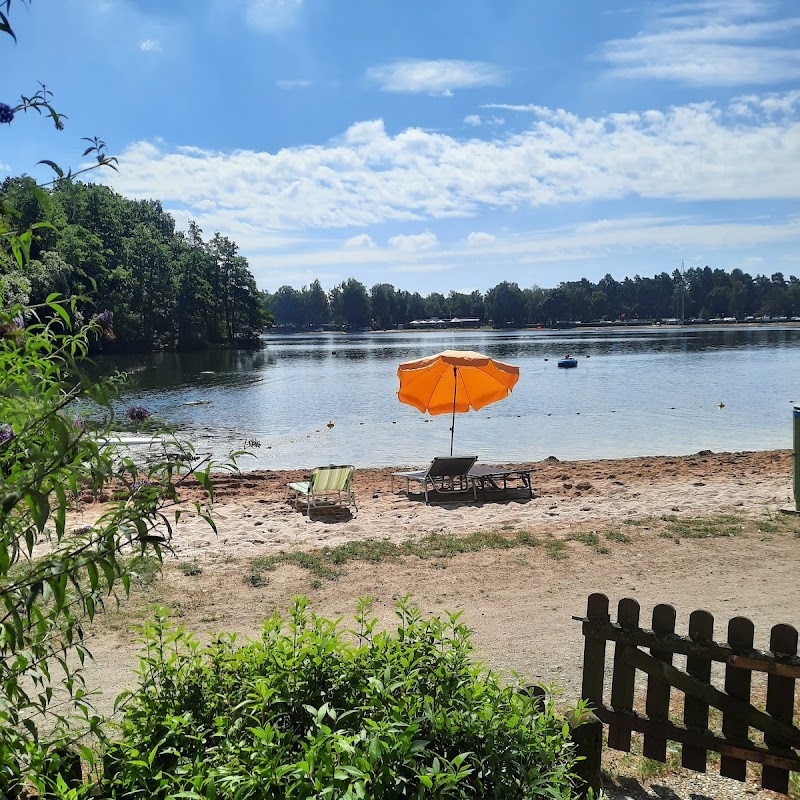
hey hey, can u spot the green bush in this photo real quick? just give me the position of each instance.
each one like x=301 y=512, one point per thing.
x=315 y=711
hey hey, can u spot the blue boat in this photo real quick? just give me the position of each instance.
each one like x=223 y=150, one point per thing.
x=568 y=362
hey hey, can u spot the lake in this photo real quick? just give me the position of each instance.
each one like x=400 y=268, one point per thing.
x=635 y=392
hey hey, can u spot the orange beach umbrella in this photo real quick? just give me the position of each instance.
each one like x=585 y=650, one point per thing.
x=454 y=380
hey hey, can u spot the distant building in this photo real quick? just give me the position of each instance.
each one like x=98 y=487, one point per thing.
x=466 y=322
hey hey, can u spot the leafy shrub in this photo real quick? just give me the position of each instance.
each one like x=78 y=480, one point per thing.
x=311 y=710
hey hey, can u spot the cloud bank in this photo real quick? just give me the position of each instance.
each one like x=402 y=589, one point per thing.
x=747 y=151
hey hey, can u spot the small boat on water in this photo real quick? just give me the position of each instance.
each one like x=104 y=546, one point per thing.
x=568 y=362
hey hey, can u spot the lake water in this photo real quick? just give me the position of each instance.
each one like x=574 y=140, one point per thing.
x=635 y=392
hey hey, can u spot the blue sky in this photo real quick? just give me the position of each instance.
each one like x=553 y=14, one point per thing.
x=434 y=145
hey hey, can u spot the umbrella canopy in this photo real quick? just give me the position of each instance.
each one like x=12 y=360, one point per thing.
x=455 y=381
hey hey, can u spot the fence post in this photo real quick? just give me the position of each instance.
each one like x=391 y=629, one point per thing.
x=780 y=703
x=623 y=682
x=594 y=652
x=695 y=712
x=587 y=734
x=657 y=704
x=741 y=632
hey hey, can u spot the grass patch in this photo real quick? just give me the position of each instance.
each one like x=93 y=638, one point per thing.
x=256 y=579
x=527 y=539
x=723 y=526
x=556 y=549
x=190 y=568
x=618 y=536
x=589 y=539
x=328 y=562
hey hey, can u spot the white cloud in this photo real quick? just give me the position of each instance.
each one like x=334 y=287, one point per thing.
x=472 y=119
x=150 y=45
x=367 y=176
x=293 y=84
x=439 y=77
x=360 y=242
x=514 y=107
x=272 y=16
x=478 y=237
x=711 y=43
x=752 y=105
x=414 y=243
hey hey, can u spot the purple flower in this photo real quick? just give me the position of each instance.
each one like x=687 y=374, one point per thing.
x=6 y=113
x=6 y=433
x=82 y=530
x=138 y=413
x=14 y=328
x=105 y=319
x=136 y=485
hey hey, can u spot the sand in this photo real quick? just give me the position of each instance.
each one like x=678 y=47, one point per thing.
x=519 y=601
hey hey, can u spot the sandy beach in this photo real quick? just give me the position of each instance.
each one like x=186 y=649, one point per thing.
x=627 y=528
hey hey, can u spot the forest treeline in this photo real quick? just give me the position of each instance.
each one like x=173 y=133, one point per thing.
x=170 y=289
x=700 y=293
x=167 y=289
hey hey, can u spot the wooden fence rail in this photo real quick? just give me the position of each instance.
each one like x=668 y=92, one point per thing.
x=651 y=651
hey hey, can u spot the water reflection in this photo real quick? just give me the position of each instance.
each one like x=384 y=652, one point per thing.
x=634 y=393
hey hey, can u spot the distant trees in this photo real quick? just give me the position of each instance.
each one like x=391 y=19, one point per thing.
x=172 y=289
x=700 y=293
x=167 y=289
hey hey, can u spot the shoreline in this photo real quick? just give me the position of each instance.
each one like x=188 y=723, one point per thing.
x=256 y=519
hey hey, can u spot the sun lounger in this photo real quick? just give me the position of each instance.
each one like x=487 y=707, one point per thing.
x=445 y=475
x=328 y=487
x=497 y=479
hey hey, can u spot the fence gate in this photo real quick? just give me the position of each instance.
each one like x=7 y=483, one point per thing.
x=759 y=729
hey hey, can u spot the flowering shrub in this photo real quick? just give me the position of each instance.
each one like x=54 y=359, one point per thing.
x=138 y=413
x=105 y=319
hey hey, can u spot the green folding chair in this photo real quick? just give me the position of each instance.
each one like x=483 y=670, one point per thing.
x=328 y=487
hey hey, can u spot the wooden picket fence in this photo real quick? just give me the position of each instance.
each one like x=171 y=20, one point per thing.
x=651 y=651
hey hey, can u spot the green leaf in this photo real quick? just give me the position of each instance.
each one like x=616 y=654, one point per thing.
x=61 y=311
x=94 y=576
x=5 y=27
x=39 y=507
x=52 y=164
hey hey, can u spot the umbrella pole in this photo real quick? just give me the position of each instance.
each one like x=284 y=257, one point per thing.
x=453 y=423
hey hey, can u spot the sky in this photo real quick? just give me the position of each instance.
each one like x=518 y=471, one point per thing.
x=431 y=144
